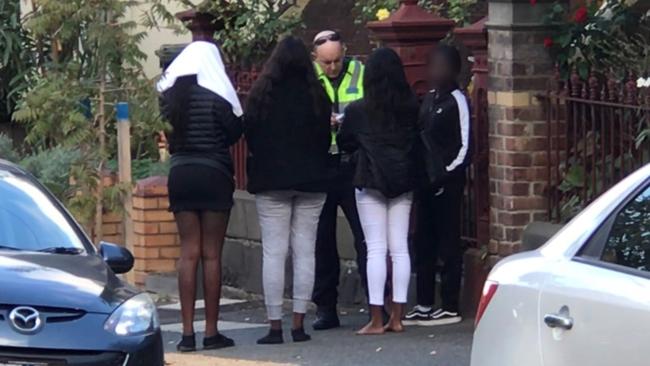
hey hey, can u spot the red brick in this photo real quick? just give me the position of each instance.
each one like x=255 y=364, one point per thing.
x=524 y=203
x=540 y=158
x=146 y=253
x=514 y=159
x=146 y=228
x=540 y=216
x=163 y=202
x=493 y=247
x=505 y=249
x=168 y=228
x=140 y=277
x=160 y=240
x=497 y=143
x=514 y=219
x=513 y=189
x=513 y=234
x=115 y=239
x=525 y=143
x=112 y=217
x=144 y=203
x=160 y=265
x=539 y=189
x=158 y=216
x=497 y=232
x=151 y=187
x=511 y=129
x=170 y=253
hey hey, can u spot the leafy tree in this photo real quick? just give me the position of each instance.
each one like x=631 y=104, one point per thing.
x=89 y=60
x=251 y=28
x=15 y=58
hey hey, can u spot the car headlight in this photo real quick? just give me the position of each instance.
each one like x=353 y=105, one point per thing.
x=135 y=316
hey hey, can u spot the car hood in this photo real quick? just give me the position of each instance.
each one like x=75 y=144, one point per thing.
x=82 y=282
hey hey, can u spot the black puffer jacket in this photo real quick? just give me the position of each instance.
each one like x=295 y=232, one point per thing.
x=384 y=158
x=211 y=128
x=288 y=148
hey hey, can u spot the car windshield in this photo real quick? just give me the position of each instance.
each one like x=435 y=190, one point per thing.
x=31 y=221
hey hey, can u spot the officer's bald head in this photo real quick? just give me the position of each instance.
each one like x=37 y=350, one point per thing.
x=329 y=52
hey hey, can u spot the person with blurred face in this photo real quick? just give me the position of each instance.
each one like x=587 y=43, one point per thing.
x=342 y=78
x=444 y=124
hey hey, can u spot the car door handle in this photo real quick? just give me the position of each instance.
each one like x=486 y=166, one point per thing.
x=558 y=321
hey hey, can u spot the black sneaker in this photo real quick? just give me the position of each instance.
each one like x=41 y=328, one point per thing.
x=441 y=317
x=417 y=314
x=326 y=320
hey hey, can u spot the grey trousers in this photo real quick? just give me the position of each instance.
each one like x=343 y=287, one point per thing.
x=288 y=219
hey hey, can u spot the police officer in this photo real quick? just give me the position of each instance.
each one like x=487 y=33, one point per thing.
x=342 y=78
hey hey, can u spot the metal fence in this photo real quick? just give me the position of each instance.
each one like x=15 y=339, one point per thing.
x=596 y=137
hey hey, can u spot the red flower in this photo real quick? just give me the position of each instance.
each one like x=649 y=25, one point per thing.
x=533 y=2
x=581 y=15
x=548 y=42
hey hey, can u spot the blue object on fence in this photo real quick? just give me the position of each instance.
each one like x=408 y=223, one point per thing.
x=122 y=111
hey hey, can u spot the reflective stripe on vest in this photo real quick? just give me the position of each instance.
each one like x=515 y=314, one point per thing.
x=351 y=87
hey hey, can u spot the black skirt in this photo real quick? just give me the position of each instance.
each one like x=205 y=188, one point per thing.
x=198 y=187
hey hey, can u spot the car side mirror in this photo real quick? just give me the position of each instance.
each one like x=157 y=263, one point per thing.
x=118 y=258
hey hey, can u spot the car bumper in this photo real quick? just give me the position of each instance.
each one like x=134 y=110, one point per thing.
x=71 y=349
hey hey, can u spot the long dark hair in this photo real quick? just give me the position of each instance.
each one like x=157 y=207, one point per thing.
x=290 y=59
x=177 y=99
x=389 y=100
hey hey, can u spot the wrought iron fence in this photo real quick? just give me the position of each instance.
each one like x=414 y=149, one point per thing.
x=595 y=131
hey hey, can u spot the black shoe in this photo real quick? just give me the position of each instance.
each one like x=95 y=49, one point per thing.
x=274 y=337
x=299 y=335
x=417 y=314
x=441 y=317
x=187 y=344
x=326 y=320
x=217 y=341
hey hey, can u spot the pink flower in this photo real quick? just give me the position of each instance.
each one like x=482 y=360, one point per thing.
x=548 y=42
x=581 y=15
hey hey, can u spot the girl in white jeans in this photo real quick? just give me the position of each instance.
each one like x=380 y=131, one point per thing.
x=287 y=127
x=380 y=132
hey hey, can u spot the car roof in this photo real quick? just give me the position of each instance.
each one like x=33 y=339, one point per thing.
x=568 y=241
x=10 y=167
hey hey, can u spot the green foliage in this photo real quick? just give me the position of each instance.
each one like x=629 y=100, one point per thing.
x=458 y=10
x=251 y=27
x=603 y=39
x=15 y=58
x=143 y=168
x=52 y=167
x=7 y=151
x=90 y=61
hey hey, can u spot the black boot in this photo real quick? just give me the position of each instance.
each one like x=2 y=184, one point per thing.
x=274 y=337
x=217 y=341
x=299 y=335
x=187 y=344
x=328 y=319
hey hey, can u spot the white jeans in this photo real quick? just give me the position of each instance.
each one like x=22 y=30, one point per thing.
x=288 y=219
x=385 y=225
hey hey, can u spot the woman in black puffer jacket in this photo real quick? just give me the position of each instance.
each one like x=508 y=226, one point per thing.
x=381 y=132
x=202 y=106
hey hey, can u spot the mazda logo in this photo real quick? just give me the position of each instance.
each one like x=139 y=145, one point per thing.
x=25 y=319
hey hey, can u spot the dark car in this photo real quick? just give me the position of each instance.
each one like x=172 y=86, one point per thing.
x=61 y=302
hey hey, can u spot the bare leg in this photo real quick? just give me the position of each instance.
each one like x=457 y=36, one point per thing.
x=213 y=229
x=189 y=229
x=376 y=325
x=395 y=322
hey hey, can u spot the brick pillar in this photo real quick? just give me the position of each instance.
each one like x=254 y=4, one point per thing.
x=156 y=247
x=519 y=69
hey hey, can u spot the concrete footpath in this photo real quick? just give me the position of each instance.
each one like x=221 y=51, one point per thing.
x=244 y=322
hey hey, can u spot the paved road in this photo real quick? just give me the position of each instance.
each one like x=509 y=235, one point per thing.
x=244 y=322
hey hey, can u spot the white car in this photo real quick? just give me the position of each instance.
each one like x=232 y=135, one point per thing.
x=583 y=299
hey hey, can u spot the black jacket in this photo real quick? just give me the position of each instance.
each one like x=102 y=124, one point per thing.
x=288 y=148
x=383 y=157
x=444 y=124
x=210 y=130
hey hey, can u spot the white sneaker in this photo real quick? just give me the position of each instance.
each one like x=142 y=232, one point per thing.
x=441 y=317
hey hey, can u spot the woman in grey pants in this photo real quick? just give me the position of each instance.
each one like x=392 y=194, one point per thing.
x=287 y=129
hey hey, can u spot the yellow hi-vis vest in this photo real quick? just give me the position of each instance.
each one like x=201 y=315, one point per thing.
x=350 y=89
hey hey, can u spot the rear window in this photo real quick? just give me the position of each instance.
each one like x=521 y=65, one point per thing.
x=30 y=220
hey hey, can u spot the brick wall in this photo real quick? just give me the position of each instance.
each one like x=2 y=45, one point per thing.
x=519 y=70
x=156 y=244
